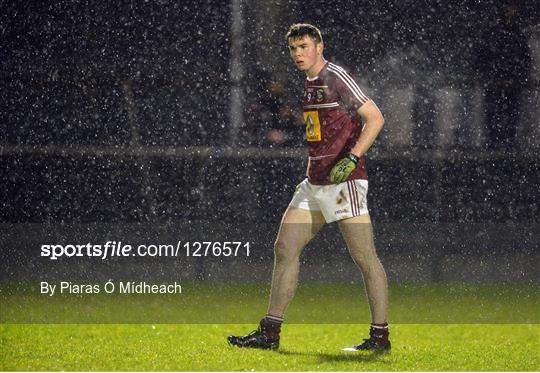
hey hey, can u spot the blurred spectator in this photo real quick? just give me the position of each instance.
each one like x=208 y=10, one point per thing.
x=423 y=116
x=420 y=66
x=271 y=116
x=503 y=62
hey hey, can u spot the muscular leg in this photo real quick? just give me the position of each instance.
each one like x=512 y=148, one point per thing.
x=297 y=228
x=358 y=234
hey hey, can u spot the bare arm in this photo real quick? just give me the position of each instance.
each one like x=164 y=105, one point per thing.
x=373 y=123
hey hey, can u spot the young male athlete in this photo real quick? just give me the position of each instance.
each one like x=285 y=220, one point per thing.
x=341 y=125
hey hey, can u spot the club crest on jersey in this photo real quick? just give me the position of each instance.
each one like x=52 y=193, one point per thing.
x=313 y=126
x=319 y=95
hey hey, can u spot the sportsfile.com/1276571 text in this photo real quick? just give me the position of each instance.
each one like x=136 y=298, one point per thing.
x=118 y=249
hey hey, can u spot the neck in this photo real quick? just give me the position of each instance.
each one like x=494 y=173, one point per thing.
x=314 y=71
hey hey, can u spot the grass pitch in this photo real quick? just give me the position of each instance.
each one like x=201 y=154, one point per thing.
x=310 y=347
x=436 y=327
x=210 y=303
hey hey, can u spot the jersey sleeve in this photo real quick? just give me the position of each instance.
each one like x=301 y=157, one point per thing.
x=349 y=91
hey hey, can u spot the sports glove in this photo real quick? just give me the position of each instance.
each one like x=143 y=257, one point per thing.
x=341 y=171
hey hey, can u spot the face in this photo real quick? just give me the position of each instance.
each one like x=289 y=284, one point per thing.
x=305 y=53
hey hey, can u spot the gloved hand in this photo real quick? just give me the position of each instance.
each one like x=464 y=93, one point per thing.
x=341 y=171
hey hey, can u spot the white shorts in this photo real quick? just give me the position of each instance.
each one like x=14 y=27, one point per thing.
x=335 y=201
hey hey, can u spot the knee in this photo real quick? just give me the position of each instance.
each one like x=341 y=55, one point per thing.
x=365 y=259
x=362 y=262
x=285 y=251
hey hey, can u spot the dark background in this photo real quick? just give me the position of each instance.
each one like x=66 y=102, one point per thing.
x=102 y=104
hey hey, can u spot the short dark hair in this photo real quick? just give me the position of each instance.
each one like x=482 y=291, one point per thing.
x=299 y=30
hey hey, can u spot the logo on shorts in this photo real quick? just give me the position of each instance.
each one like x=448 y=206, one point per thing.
x=343 y=211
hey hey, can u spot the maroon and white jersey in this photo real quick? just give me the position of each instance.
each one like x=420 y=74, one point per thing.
x=332 y=125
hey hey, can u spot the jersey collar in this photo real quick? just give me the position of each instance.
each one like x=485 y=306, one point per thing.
x=317 y=76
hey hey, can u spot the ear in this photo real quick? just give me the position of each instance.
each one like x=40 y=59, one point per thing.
x=320 y=47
